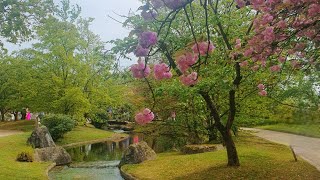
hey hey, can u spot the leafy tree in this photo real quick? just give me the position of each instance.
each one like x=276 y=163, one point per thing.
x=18 y=17
x=224 y=51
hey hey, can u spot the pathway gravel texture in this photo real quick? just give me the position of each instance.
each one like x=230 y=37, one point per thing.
x=4 y=133
x=306 y=147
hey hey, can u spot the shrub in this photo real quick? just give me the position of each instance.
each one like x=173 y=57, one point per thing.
x=58 y=124
x=24 y=157
x=99 y=119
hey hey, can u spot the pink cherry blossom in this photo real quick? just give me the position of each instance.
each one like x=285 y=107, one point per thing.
x=244 y=64
x=241 y=3
x=314 y=9
x=141 y=52
x=281 y=59
x=238 y=44
x=190 y=79
x=162 y=71
x=275 y=68
x=248 y=52
x=140 y=70
x=260 y=87
x=263 y=93
x=202 y=48
x=147 y=39
x=144 y=117
x=185 y=61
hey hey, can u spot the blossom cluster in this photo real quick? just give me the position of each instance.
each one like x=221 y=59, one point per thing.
x=188 y=59
x=162 y=71
x=190 y=79
x=144 y=117
x=262 y=91
x=146 y=40
x=273 y=28
x=140 y=70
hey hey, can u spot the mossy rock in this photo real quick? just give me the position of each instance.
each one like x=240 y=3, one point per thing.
x=25 y=157
x=198 y=148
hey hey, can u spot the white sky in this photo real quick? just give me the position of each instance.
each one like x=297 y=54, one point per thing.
x=104 y=26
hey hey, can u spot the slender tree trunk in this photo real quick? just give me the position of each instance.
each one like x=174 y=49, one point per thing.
x=232 y=153
x=16 y=115
x=2 y=114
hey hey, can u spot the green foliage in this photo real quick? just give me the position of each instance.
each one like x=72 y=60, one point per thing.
x=100 y=119
x=58 y=124
x=18 y=17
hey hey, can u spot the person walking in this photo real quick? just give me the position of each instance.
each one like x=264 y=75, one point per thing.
x=28 y=116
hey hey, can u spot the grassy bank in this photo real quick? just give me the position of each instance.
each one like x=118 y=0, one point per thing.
x=81 y=134
x=305 y=130
x=11 y=146
x=259 y=159
x=21 y=125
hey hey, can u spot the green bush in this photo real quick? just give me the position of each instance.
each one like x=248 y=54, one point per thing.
x=58 y=124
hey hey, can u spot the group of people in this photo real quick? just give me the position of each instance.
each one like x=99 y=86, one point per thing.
x=26 y=114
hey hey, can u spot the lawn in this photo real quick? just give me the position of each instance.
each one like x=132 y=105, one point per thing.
x=21 y=125
x=10 y=147
x=81 y=134
x=260 y=159
x=305 y=130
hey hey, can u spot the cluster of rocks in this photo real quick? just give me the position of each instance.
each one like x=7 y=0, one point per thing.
x=46 y=149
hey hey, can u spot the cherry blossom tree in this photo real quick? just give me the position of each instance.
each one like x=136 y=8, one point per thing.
x=221 y=46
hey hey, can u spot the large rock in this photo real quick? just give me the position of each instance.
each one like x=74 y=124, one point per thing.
x=194 y=149
x=137 y=153
x=55 y=154
x=41 y=138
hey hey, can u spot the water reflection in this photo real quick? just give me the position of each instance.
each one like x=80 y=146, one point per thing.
x=104 y=151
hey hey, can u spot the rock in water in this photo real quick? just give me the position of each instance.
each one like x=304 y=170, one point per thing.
x=55 y=154
x=41 y=138
x=137 y=153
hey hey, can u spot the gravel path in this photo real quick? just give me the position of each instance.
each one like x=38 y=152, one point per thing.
x=8 y=132
x=306 y=147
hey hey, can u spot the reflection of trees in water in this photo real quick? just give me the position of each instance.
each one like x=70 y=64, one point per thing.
x=106 y=151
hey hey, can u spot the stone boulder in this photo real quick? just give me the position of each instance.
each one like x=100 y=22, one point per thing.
x=55 y=154
x=41 y=138
x=198 y=148
x=137 y=153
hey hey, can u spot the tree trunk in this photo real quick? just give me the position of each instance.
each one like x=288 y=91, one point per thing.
x=233 y=159
x=16 y=115
x=2 y=114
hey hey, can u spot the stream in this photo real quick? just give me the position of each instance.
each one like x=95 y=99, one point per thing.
x=97 y=161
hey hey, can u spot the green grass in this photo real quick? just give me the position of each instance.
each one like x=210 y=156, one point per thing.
x=305 y=130
x=81 y=134
x=259 y=159
x=10 y=147
x=21 y=125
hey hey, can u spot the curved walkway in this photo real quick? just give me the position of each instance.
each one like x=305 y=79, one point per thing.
x=4 y=133
x=306 y=147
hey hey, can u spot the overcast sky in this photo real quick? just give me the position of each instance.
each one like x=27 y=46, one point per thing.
x=104 y=26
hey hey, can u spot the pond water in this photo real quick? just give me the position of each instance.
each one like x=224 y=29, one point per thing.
x=94 y=161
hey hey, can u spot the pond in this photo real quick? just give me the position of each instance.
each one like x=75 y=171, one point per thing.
x=94 y=161
x=99 y=161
